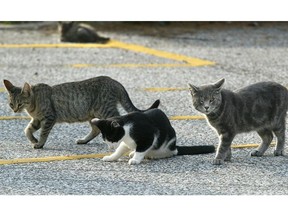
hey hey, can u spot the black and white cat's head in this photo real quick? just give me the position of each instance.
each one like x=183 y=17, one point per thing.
x=112 y=130
x=207 y=98
x=19 y=98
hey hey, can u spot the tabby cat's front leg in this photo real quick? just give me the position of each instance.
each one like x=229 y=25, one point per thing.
x=224 y=149
x=46 y=126
x=33 y=126
x=94 y=132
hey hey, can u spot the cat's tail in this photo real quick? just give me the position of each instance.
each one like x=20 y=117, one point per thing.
x=154 y=105
x=192 y=150
x=127 y=104
x=102 y=40
x=132 y=108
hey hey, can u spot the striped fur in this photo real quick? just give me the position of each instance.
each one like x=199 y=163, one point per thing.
x=69 y=102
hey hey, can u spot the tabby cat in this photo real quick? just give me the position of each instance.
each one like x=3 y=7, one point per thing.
x=69 y=102
x=147 y=134
x=79 y=33
x=261 y=107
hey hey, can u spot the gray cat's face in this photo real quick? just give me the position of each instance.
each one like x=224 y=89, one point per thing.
x=207 y=98
x=19 y=99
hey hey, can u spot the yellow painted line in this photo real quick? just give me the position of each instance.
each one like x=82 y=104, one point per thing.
x=61 y=45
x=251 y=145
x=162 y=54
x=82 y=65
x=120 y=45
x=85 y=156
x=164 y=89
x=52 y=158
x=131 y=65
x=151 y=89
x=171 y=118
x=14 y=117
x=186 y=117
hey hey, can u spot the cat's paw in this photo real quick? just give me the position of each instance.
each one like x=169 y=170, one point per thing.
x=80 y=142
x=218 y=161
x=107 y=159
x=133 y=161
x=38 y=146
x=256 y=153
x=279 y=153
x=228 y=159
x=34 y=141
x=131 y=155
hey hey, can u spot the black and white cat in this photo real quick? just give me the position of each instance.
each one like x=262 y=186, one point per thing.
x=147 y=134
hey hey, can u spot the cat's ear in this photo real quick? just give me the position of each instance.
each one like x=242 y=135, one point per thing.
x=70 y=23
x=115 y=124
x=26 y=90
x=219 y=84
x=193 y=89
x=95 y=121
x=100 y=123
x=8 y=85
x=67 y=25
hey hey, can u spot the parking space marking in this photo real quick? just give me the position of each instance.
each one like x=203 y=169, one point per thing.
x=52 y=158
x=187 y=118
x=152 y=89
x=164 y=89
x=62 y=45
x=81 y=65
x=87 y=156
x=131 y=65
x=163 y=54
x=251 y=145
x=121 y=45
x=171 y=118
x=15 y=118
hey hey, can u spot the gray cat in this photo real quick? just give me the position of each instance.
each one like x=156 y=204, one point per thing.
x=260 y=107
x=69 y=102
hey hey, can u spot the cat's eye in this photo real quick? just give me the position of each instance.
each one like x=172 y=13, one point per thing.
x=212 y=100
x=11 y=104
x=201 y=99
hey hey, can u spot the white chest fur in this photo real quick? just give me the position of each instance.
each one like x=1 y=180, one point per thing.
x=126 y=139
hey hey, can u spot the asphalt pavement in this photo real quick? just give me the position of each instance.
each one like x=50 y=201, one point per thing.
x=243 y=53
